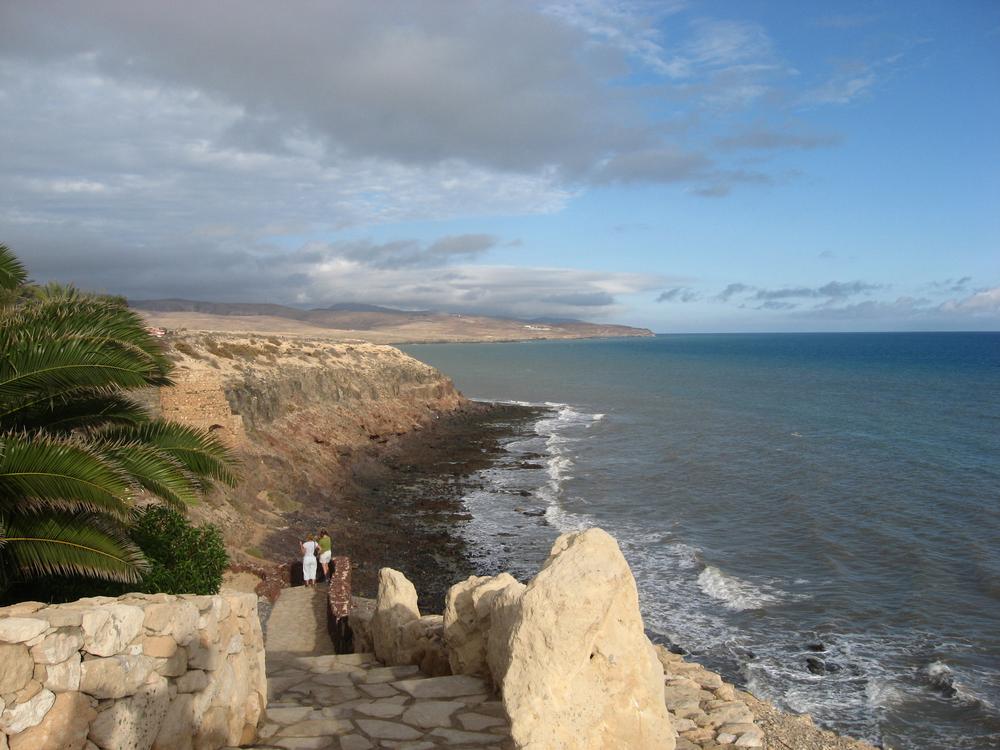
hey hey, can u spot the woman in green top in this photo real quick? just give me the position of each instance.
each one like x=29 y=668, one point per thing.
x=325 y=552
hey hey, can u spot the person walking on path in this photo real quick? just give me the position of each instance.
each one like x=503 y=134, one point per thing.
x=325 y=552
x=309 y=548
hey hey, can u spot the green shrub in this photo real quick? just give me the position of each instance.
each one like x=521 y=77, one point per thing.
x=183 y=559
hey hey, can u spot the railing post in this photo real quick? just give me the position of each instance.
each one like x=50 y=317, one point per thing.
x=339 y=604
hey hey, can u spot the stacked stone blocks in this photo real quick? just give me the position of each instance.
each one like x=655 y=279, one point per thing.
x=144 y=671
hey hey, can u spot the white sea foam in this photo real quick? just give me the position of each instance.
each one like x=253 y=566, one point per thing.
x=733 y=592
x=964 y=685
x=882 y=692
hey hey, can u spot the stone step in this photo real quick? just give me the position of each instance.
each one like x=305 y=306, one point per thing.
x=298 y=623
x=320 y=700
x=353 y=702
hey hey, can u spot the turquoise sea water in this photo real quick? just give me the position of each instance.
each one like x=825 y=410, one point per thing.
x=817 y=516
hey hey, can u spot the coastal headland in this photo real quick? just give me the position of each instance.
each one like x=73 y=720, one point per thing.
x=378 y=325
x=375 y=446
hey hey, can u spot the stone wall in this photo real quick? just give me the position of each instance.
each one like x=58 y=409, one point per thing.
x=143 y=672
x=201 y=402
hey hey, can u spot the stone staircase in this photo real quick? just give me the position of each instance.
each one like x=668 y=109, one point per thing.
x=298 y=624
x=319 y=700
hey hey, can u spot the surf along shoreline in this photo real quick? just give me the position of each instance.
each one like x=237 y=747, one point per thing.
x=403 y=507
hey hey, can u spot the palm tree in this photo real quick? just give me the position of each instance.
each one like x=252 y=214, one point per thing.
x=75 y=448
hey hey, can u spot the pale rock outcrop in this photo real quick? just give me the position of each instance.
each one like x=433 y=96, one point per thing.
x=395 y=607
x=467 y=615
x=577 y=669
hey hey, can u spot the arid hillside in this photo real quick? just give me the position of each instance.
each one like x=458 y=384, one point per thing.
x=364 y=323
x=300 y=413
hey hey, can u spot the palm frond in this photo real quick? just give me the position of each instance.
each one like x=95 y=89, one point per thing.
x=12 y=272
x=73 y=544
x=154 y=470
x=199 y=452
x=42 y=473
x=31 y=371
x=74 y=314
x=62 y=413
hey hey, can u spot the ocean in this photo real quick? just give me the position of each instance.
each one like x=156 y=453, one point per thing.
x=815 y=516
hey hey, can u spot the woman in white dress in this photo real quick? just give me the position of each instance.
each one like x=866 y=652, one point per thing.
x=309 y=548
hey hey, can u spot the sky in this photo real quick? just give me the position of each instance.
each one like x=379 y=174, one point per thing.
x=682 y=165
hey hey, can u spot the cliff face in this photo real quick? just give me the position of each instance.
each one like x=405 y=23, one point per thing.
x=299 y=412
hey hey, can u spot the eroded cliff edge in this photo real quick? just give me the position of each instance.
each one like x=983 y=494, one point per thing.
x=301 y=414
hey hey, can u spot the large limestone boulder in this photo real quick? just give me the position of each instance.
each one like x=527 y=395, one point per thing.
x=467 y=615
x=17 y=667
x=423 y=640
x=114 y=676
x=20 y=629
x=505 y=611
x=395 y=607
x=575 y=668
x=135 y=722
x=29 y=713
x=109 y=629
x=64 y=726
x=360 y=621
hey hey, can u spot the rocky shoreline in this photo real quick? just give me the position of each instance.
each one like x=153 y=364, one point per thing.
x=400 y=511
x=400 y=502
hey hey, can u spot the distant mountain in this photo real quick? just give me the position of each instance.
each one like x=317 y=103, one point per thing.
x=361 y=307
x=375 y=322
x=557 y=321
x=219 y=308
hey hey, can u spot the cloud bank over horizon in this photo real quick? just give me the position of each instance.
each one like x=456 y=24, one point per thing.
x=414 y=156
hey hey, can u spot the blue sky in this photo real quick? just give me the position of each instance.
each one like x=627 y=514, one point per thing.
x=680 y=165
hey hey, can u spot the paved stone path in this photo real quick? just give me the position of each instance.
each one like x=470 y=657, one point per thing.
x=320 y=701
x=298 y=624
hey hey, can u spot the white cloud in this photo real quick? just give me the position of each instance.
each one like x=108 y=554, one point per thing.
x=985 y=302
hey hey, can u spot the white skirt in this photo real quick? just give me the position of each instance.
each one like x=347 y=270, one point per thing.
x=309 y=568
x=325 y=557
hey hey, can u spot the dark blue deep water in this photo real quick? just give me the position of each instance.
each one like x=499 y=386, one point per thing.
x=779 y=497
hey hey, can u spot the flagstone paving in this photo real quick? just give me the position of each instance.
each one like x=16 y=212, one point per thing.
x=353 y=702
